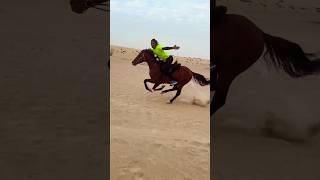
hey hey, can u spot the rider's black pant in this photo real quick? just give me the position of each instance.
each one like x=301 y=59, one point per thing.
x=166 y=66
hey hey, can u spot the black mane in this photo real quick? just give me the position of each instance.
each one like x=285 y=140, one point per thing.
x=147 y=50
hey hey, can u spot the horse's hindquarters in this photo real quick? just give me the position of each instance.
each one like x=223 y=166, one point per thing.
x=183 y=75
x=237 y=42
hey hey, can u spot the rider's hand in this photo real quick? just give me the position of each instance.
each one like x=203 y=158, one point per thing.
x=176 y=47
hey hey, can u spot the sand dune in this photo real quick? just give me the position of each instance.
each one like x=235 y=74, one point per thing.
x=151 y=139
x=264 y=102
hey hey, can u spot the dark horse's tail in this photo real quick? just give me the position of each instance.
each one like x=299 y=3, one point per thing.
x=290 y=57
x=200 y=79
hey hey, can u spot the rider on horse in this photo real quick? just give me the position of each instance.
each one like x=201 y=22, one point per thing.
x=166 y=59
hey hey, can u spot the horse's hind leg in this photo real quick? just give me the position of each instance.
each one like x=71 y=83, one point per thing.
x=175 y=88
x=177 y=94
x=221 y=92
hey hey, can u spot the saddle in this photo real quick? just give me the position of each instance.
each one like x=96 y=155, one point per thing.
x=175 y=66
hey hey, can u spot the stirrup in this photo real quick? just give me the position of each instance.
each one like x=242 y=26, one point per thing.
x=173 y=82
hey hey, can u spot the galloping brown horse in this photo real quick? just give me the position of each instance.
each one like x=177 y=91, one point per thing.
x=238 y=43
x=182 y=74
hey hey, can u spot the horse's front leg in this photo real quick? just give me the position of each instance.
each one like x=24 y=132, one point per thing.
x=156 y=85
x=145 y=84
x=168 y=90
x=160 y=88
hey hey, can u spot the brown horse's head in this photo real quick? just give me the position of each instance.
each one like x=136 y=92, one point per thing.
x=144 y=56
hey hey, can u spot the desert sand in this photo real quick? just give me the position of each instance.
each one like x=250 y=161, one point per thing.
x=151 y=139
x=263 y=99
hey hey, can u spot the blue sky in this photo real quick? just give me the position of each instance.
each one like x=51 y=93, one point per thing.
x=183 y=22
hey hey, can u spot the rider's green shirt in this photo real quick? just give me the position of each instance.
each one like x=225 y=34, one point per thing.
x=160 y=53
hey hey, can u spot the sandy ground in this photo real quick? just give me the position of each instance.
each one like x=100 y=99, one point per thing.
x=263 y=98
x=149 y=138
x=53 y=95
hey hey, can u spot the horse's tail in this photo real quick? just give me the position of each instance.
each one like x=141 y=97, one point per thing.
x=200 y=79
x=290 y=57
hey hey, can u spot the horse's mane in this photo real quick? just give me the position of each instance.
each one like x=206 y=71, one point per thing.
x=149 y=52
x=218 y=14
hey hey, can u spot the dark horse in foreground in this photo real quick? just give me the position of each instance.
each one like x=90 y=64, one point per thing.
x=80 y=6
x=238 y=43
x=181 y=74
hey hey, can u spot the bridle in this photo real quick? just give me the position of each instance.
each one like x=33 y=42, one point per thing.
x=144 y=59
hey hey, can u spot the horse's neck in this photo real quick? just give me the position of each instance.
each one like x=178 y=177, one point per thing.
x=151 y=63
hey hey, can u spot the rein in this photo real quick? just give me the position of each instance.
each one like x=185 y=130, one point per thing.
x=144 y=57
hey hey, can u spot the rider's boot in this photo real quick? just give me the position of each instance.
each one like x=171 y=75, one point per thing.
x=172 y=82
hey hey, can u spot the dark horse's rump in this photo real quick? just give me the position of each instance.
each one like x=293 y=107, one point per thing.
x=238 y=43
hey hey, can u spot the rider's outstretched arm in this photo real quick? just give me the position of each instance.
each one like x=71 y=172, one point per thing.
x=168 y=48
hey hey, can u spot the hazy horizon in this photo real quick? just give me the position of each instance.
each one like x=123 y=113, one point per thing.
x=184 y=23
